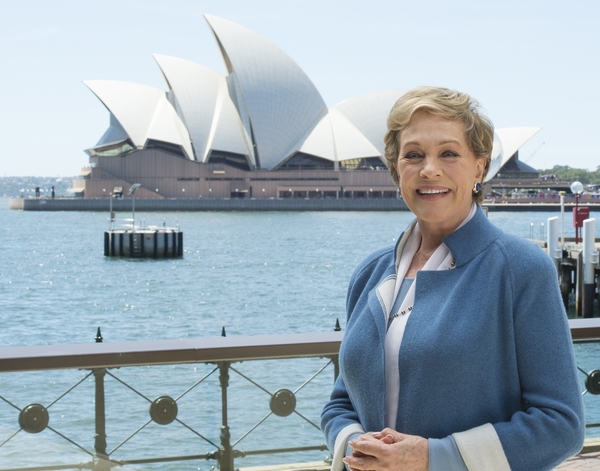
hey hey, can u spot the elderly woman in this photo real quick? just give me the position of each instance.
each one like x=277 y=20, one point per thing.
x=457 y=354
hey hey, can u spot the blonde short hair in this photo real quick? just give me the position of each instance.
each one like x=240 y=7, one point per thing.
x=448 y=104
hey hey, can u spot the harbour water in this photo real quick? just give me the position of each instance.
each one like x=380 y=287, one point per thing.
x=252 y=273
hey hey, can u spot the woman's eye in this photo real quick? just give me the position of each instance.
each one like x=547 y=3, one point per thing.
x=449 y=153
x=412 y=155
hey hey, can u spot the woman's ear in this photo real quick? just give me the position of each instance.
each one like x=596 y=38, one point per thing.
x=395 y=164
x=480 y=166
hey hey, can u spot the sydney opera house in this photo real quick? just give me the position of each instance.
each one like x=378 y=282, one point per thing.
x=261 y=131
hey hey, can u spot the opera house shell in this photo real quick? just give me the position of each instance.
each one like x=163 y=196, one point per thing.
x=261 y=131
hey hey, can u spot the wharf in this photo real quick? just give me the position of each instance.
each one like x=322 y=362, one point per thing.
x=243 y=204
x=206 y=204
x=587 y=460
x=582 y=462
x=570 y=248
x=316 y=466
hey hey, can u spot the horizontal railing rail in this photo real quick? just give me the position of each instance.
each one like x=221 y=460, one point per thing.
x=163 y=352
x=102 y=362
x=585 y=329
x=208 y=349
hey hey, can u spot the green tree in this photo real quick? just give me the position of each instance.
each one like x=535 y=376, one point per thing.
x=569 y=174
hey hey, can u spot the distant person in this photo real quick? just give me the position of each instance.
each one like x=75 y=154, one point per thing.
x=52 y=193
x=457 y=354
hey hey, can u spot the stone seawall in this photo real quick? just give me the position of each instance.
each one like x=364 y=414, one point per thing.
x=125 y=204
x=75 y=204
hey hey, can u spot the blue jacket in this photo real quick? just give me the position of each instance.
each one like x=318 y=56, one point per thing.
x=487 y=342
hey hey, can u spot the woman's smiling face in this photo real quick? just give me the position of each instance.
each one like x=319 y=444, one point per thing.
x=437 y=171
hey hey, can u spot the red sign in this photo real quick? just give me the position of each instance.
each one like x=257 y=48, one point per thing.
x=580 y=214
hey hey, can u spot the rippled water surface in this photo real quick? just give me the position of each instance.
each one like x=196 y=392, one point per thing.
x=252 y=273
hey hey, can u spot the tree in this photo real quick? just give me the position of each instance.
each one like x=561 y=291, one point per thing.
x=569 y=174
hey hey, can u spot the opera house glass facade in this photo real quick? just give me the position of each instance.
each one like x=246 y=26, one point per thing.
x=261 y=131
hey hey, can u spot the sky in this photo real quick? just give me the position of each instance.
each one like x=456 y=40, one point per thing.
x=528 y=62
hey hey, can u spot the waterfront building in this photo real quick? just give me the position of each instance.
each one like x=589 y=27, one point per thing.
x=261 y=131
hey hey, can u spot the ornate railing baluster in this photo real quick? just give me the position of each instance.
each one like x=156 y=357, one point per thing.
x=225 y=450
x=100 y=458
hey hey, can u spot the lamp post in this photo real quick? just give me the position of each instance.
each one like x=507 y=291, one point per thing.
x=134 y=187
x=576 y=189
x=112 y=215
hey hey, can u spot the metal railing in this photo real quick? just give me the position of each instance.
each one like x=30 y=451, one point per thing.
x=214 y=361
x=221 y=358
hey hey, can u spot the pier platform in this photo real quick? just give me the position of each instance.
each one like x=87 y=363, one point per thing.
x=581 y=462
x=587 y=460
x=315 y=466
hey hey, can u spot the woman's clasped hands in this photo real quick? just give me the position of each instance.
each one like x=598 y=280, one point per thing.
x=388 y=450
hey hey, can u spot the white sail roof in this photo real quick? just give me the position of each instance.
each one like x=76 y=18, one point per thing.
x=336 y=139
x=203 y=102
x=496 y=161
x=514 y=138
x=143 y=112
x=114 y=134
x=369 y=114
x=282 y=103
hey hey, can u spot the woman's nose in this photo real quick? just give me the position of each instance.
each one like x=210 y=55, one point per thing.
x=430 y=168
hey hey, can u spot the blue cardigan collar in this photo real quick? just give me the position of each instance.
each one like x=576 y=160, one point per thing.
x=465 y=244
x=468 y=241
x=472 y=239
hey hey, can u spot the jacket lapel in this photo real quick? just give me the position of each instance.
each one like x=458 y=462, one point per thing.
x=380 y=301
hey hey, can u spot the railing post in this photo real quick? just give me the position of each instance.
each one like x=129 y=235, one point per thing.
x=226 y=451
x=100 y=461
x=554 y=249
x=336 y=359
x=590 y=260
x=336 y=367
x=579 y=285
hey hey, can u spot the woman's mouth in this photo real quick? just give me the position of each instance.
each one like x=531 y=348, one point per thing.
x=432 y=191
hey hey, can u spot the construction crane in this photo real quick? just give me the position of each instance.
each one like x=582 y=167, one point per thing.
x=533 y=153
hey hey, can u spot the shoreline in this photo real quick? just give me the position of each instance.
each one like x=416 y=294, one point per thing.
x=125 y=204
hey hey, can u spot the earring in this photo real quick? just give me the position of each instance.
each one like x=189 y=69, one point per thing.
x=477 y=186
